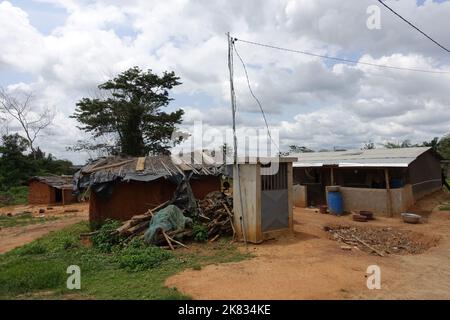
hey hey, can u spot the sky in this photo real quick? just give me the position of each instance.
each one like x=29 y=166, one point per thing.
x=61 y=50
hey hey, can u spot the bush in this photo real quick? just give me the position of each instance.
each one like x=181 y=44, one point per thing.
x=14 y=196
x=200 y=233
x=103 y=240
x=32 y=249
x=139 y=258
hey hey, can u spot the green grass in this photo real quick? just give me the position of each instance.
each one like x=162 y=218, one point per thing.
x=14 y=196
x=38 y=270
x=22 y=220
x=445 y=207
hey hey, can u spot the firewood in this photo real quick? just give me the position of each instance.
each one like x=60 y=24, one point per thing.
x=215 y=237
x=168 y=240
x=175 y=241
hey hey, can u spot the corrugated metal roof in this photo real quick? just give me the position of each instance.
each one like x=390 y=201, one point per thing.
x=399 y=157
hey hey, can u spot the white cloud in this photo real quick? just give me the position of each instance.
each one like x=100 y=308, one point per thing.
x=311 y=101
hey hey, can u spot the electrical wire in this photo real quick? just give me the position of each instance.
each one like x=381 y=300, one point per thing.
x=256 y=99
x=341 y=59
x=412 y=25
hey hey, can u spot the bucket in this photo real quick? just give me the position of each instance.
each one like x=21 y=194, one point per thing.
x=323 y=209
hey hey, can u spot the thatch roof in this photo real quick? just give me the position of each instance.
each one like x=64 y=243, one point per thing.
x=59 y=182
x=147 y=168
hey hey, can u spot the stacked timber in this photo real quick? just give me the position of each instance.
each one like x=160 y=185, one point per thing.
x=216 y=213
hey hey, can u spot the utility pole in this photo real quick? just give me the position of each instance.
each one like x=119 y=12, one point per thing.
x=233 y=96
x=233 y=110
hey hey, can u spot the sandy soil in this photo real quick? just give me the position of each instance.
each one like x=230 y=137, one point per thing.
x=308 y=265
x=13 y=237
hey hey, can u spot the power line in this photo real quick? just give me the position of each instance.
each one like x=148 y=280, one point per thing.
x=341 y=59
x=256 y=99
x=412 y=25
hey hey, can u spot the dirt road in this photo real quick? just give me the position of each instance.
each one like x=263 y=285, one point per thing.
x=13 y=237
x=308 y=265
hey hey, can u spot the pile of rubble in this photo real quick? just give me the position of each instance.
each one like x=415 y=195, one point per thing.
x=379 y=241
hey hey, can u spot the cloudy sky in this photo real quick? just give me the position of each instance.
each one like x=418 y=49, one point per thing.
x=62 y=49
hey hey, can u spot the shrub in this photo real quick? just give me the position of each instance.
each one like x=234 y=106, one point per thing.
x=103 y=240
x=133 y=258
x=32 y=249
x=14 y=196
x=200 y=233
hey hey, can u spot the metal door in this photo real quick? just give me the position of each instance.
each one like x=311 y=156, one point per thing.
x=274 y=200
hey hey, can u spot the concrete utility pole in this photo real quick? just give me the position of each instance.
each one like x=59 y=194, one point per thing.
x=236 y=191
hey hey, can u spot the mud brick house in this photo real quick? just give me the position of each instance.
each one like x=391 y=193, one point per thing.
x=385 y=181
x=51 y=190
x=121 y=187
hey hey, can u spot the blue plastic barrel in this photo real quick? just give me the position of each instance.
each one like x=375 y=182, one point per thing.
x=396 y=183
x=335 y=203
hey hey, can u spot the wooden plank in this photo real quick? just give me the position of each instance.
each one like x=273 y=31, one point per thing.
x=388 y=193
x=140 y=164
x=109 y=166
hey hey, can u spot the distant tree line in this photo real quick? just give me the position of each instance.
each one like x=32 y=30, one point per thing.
x=17 y=166
x=441 y=146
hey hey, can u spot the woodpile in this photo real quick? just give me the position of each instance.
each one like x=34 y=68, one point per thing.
x=216 y=213
x=138 y=224
x=378 y=241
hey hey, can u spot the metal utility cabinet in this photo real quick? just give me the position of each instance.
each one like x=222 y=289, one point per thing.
x=262 y=198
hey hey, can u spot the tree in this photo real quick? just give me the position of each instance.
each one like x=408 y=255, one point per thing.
x=14 y=165
x=444 y=147
x=368 y=145
x=94 y=150
x=299 y=149
x=21 y=109
x=131 y=111
x=403 y=144
x=434 y=144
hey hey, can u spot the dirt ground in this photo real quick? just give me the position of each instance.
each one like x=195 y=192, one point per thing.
x=13 y=237
x=307 y=264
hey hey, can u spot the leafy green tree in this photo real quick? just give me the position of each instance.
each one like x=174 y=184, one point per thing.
x=15 y=167
x=403 y=144
x=368 y=145
x=434 y=143
x=131 y=111
x=444 y=146
x=299 y=149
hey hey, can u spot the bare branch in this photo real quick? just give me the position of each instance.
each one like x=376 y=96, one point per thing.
x=21 y=109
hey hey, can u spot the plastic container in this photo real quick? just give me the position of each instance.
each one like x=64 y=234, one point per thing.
x=411 y=218
x=335 y=203
x=396 y=183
